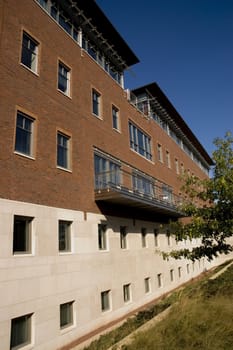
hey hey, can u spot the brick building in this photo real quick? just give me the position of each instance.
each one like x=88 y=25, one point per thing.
x=90 y=177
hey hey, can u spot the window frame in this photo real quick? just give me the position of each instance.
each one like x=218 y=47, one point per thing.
x=143 y=237
x=27 y=53
x=160 y=280
x=64 y=74
x=140 y=142
x=102 y=237
x=28 y=329
x=127 y=293
x=105 y=298
x=69 y=317
x=64 y=148
x=96 y=99
x=123 y=237
x=147 y=285
x=67 y=239
x=24 y=135
x=115 y=118
x=28 y=236
x=160 y=152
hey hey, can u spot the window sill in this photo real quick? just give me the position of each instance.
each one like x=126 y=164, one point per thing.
x=67 y=328
x=97 y=116
x=64 y=169
x=23 y=254
x=64 y=94
x=24 y=155
x=29 y=69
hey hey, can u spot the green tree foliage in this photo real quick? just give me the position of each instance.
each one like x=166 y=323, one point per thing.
x=210 y=207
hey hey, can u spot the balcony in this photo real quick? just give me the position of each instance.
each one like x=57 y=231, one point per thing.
x=136 y=191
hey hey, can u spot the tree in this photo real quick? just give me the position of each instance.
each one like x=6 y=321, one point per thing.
x=210 y=207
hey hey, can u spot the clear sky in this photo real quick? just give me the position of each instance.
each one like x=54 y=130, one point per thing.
x=186 y=47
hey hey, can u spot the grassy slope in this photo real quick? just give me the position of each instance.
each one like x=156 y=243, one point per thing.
x=201 y=319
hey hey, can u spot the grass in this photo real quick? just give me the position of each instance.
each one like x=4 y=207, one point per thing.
x=201 y=319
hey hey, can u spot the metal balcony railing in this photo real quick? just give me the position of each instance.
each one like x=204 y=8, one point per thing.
x=134 y=189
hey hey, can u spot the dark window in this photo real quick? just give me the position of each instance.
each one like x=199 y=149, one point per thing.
x=63 y=151
x=63 y=79
x=22 y=234
x=95 y=102
x=115 y=118
x=24 y=130
x=64 y=236
x=20 y=331
x=29 y=52
x=105 y=300
x=66 y=314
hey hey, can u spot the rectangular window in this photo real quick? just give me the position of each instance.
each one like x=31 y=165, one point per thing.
x=96 y=102
x=105 y=300
x=106 y=172
x=115 y=118
x=24 y=134
x=21 y=332
x=140 y=142
x=66 y=314
x=143 y=236
x=179 y=271
x=159 y=279
x=142 y=184
x=172 y=275
x=182 y=168
x=102 y=237
x=156 y=237
x=177 y=166
x=147 y=285
x=22 y=235
x=168 y=161
x=29 y=54
x=168 y=238
x=64 y=236
x=64 y=79
x=126 y=293
x=160 y=152
x=63 y=156
x=123 y=237
x=187 y=267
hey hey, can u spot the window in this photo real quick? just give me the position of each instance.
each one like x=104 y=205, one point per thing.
x=142 y=184
x=22 y=235
x=64 y=236
x=102 y=236
x=187 y=267
x=168 y=238
x=29 y=54
x=107 y=172
x=24 y=134
x=168 y=161
x=21 y=333
x=63 y=79
x=159 y=279
x=140 y=142
x=156 y=237
x=182 y=168
x=123 y=237
x=115 y=118
x=66 y=314
x=177 y=166
x=143 y=236
x=96 y=102
x=172 y=275
x=147 y=284
x=179 y=271
x=126 y=293
x=160 y=153
x=105 y=300
x=63 y=145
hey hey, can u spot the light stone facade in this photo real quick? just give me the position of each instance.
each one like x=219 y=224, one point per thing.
x=38 y=283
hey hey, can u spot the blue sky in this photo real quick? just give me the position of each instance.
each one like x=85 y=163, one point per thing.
x=186 y=47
